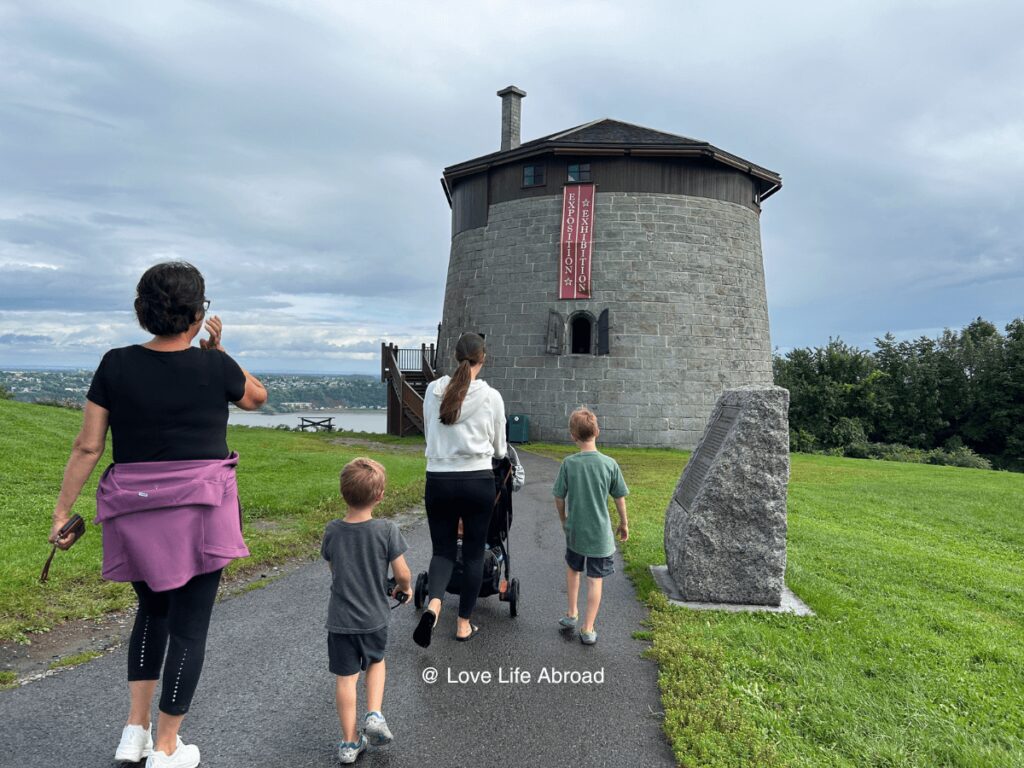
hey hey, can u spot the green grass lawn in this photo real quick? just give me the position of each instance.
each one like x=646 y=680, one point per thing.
x=288 y=483
x=916 y=655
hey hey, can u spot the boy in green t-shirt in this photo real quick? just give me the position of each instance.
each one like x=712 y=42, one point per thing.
x=588 y=478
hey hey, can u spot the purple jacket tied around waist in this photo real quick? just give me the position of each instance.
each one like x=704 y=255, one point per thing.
x=167 y=521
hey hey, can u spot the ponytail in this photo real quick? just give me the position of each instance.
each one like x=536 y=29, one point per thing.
x=455 y=393
x=469 y=351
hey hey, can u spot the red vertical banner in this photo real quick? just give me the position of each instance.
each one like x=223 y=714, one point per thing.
x=577 y=241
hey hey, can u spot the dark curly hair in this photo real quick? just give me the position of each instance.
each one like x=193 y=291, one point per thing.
x=168 y=297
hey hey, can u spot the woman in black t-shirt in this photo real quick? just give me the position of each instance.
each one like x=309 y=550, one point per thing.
x=163 y=401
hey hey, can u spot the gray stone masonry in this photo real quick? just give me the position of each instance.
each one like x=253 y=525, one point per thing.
x=511 y=116
x=682 y=280
x=725 y=527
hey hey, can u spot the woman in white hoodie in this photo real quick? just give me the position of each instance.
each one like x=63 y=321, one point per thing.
x=464 y=422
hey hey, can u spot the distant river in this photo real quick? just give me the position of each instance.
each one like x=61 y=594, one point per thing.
x=355 y=421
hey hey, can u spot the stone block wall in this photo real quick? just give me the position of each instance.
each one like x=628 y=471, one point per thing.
x=682 y=279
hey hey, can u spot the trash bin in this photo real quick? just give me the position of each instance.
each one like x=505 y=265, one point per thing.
x=518 y=428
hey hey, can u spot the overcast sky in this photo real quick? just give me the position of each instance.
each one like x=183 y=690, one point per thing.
x=292 y=151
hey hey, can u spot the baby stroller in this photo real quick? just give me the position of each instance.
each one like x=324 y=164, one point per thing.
x=497 y=575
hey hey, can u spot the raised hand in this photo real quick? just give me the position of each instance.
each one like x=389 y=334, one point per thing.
x=214 y=327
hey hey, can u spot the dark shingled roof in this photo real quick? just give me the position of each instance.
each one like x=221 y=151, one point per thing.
x=614 y=132
x=608 y=136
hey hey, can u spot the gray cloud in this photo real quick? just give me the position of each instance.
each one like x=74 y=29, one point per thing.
x=293 y=151
x=23 y=338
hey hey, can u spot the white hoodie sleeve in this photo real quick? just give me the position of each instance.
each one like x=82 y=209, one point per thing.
x=498 y=408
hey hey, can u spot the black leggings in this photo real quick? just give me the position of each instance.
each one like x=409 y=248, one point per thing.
x=450 y=496
x=183 y=616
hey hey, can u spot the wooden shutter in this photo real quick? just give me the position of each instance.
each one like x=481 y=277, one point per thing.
x=602 y=333
x=556 y=332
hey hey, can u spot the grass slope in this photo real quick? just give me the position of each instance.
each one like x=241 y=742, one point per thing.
x=288 y=483
x=916 y=656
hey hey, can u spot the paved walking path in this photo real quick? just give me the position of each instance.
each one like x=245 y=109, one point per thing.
x=266 y=698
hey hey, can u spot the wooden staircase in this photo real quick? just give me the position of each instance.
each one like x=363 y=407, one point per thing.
x=407 y=372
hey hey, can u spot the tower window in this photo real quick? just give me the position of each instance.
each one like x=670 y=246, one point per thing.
x=533 y=175
x=581 y=334
x=579 y=172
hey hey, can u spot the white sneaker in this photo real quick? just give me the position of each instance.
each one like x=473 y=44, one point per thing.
x=376 y=729
x=136 y=743
x=184 y=756
x=348 y=751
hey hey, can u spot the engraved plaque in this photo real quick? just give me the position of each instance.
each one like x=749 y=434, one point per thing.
x=707 y=451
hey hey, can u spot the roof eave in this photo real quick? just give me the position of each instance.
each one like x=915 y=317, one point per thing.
x=573 y=148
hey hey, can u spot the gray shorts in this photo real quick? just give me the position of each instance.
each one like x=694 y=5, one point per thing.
x=350 y=654
x=596 y=567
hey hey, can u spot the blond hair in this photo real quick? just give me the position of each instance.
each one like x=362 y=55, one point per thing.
x=362 y=482
x=583 y=425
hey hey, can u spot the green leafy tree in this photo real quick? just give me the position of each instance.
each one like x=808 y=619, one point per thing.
x=1010 y=411
x=945 y=400
x=986 y=422
x=910 y=391
x=834 y=393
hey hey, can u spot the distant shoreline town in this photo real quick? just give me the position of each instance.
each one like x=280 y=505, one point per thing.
x=288 y=393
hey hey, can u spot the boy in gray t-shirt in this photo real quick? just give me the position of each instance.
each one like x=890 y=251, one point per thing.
x=359 y=550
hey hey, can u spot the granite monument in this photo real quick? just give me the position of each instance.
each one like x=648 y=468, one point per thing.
x=725 y=526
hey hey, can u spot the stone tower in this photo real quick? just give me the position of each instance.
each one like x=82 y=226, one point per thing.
x=655 y=239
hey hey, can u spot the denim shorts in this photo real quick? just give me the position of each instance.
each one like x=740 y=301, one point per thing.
x=350 y=654
x=596 y=567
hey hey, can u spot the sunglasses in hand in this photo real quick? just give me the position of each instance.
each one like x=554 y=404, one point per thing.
x=73 y=527
x=393 y=592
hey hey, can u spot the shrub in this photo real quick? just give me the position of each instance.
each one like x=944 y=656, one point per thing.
x=859 y=450
x=847 y=431
x=958 y=457
x=802 y=441
x=899 y=452
x=71 y=405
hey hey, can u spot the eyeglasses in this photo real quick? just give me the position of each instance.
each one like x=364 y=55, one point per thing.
x=206 y=304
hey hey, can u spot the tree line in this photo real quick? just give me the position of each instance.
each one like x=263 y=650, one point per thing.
x=956 y=399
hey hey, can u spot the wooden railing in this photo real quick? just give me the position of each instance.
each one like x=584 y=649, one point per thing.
x=407 y=372
x=408 y=359
x=422 y=360
x=428 y=361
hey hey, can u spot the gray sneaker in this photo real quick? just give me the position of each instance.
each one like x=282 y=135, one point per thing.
x=569 y=621
x=348 y=751
x=588 y=638
x=376 y=729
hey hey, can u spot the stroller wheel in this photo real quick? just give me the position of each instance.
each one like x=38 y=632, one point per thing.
x=420 y=592
x=513 y=598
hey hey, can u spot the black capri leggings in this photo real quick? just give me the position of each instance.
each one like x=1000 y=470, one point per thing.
x=181 y=615
x=448 y=497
